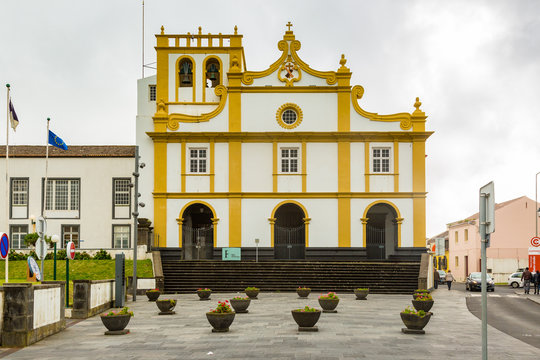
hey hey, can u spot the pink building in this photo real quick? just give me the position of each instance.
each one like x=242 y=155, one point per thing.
x=508 y=250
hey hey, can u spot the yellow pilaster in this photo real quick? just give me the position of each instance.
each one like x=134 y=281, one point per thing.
x=396 y=166
x=180 y=222
x=274 y=166
x=160 y=186
x=304 y=168
x=235 y=186
x=306 y=227
x=272 y=222
x=364 y=223
x=344 y=154
x=212 y=173
x=162 y=66
x=183 y=169
x=419 y=177
x=366 y=166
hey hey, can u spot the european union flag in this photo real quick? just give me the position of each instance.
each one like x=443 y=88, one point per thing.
x=55 y=140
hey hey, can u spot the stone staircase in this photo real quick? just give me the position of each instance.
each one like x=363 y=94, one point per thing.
x=183 y=276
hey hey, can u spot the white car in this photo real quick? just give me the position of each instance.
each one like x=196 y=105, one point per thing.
x=514 y=280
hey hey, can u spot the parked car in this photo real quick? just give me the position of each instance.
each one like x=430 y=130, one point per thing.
x=515 y=281
x=442 y=276
x=474 y=282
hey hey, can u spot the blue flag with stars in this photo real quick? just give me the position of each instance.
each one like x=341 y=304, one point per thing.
x=55 y=140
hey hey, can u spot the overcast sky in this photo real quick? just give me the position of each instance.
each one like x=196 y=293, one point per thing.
x=474 y=64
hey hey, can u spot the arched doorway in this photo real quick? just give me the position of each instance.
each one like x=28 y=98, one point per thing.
x=289 y=232
x=197 y=232
x=381 y=231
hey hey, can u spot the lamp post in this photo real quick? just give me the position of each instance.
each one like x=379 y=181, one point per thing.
x=33 y=221
x=257 y=250
x=536 y=210
x=55 y=239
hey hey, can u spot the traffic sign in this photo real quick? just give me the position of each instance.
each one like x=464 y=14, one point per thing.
x=41 y=249
x=535 y=241
x=70 y=250
x=41 y=227
x=4 y=245
x=34 y=268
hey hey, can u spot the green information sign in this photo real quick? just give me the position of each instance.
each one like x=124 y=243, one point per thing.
x=231 y=254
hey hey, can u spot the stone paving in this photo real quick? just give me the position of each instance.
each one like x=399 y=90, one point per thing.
x=360 y=330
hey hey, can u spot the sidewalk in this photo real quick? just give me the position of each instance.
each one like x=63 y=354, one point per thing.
x=532 y=297
x=361 y=329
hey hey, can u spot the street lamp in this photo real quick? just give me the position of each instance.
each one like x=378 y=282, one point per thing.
x=54 y=240
x=33 y=221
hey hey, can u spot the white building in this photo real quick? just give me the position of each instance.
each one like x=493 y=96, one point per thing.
x=285 y=155
x=89 y=197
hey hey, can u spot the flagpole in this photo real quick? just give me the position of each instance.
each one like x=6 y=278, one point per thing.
x=46 y=171
x=7 y=177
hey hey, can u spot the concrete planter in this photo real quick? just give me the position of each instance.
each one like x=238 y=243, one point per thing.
x=115 y=324
x=240 y=306
x=252 y=294
x=220 y=321
x=303 y=293
x=153 y=295
x=306 y=319
x=361 y=294
x=166 y=306
x=204 y=294
x=414 y=323
x=329 y=305
x=423 y=305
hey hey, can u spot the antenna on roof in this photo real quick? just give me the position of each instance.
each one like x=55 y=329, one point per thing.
x=143 y=39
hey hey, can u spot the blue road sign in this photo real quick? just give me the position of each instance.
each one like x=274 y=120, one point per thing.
x=4 y=246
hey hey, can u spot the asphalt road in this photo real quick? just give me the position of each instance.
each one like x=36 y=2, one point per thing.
x=507 y=312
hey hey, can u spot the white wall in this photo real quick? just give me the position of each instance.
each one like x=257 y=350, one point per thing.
x=174 y=167
x=101 y=293
x=259 y=111
x=322 y=168
x=358 y=178
x=47 y=304
x=257 y=167
x=405 y=167
x=221 y=167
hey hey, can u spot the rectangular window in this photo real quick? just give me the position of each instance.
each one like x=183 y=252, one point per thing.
x=17 y=234
x=457 y=261
x=121 y=192
x=62 y=194
x=121 y=235
x=70 y=233
x=289 y=160
x=197 y=160
x=152 y=92
x=456 y=236
x=466 y=234
x=19 y=192
x=381 y=160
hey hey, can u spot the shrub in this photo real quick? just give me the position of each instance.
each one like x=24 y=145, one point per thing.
x=102 y=255
x=205 y=289
x=408 y=310
x=82 y=256
x=252 y=288
x=303 y=288
x=61 y=254
x=362 y=289
x=124 y=311
x=31 y=239
x=307 y=309
x=13 y=255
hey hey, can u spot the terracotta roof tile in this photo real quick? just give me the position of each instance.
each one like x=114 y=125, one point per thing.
x=73 y=151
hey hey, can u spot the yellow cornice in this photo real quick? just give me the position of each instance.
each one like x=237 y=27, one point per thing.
x=175 y=119
x=291 y=89
x=289 y=195
x=297 y=136
x=406 y=120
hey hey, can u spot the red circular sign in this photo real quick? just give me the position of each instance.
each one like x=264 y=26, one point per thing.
x=71 y=250
x=535 y=241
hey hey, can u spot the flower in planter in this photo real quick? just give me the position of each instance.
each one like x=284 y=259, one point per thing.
x=153 y=290
x=240 y=298
x=124 y=311
x=425 y=297
x=421 y=291
x=307 y=309
x=222 y=308
x=252 y=288
x=408 y=310
x=330 y=296
x=205 y=289
x=303 y=288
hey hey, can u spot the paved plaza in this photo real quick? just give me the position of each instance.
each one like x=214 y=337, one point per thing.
x=360 y=330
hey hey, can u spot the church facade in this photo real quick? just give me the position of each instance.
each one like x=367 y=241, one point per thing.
x=284 y=160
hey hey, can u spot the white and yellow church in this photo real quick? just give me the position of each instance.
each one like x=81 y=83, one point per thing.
x=284 y=160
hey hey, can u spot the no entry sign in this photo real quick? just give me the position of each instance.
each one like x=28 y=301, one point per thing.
x=4 y=245
x=535 y=241
x=70 y=250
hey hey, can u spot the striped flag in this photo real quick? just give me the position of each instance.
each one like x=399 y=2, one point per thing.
x=13 y=116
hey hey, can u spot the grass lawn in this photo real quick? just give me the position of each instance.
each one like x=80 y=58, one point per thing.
x=78 y=270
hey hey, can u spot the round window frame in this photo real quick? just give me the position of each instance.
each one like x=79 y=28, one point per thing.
x=285 y=107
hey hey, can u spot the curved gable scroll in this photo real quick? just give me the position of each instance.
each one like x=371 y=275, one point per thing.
x=404 y=118
x=175 y=119
x=330 y=76
x=249 y=76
